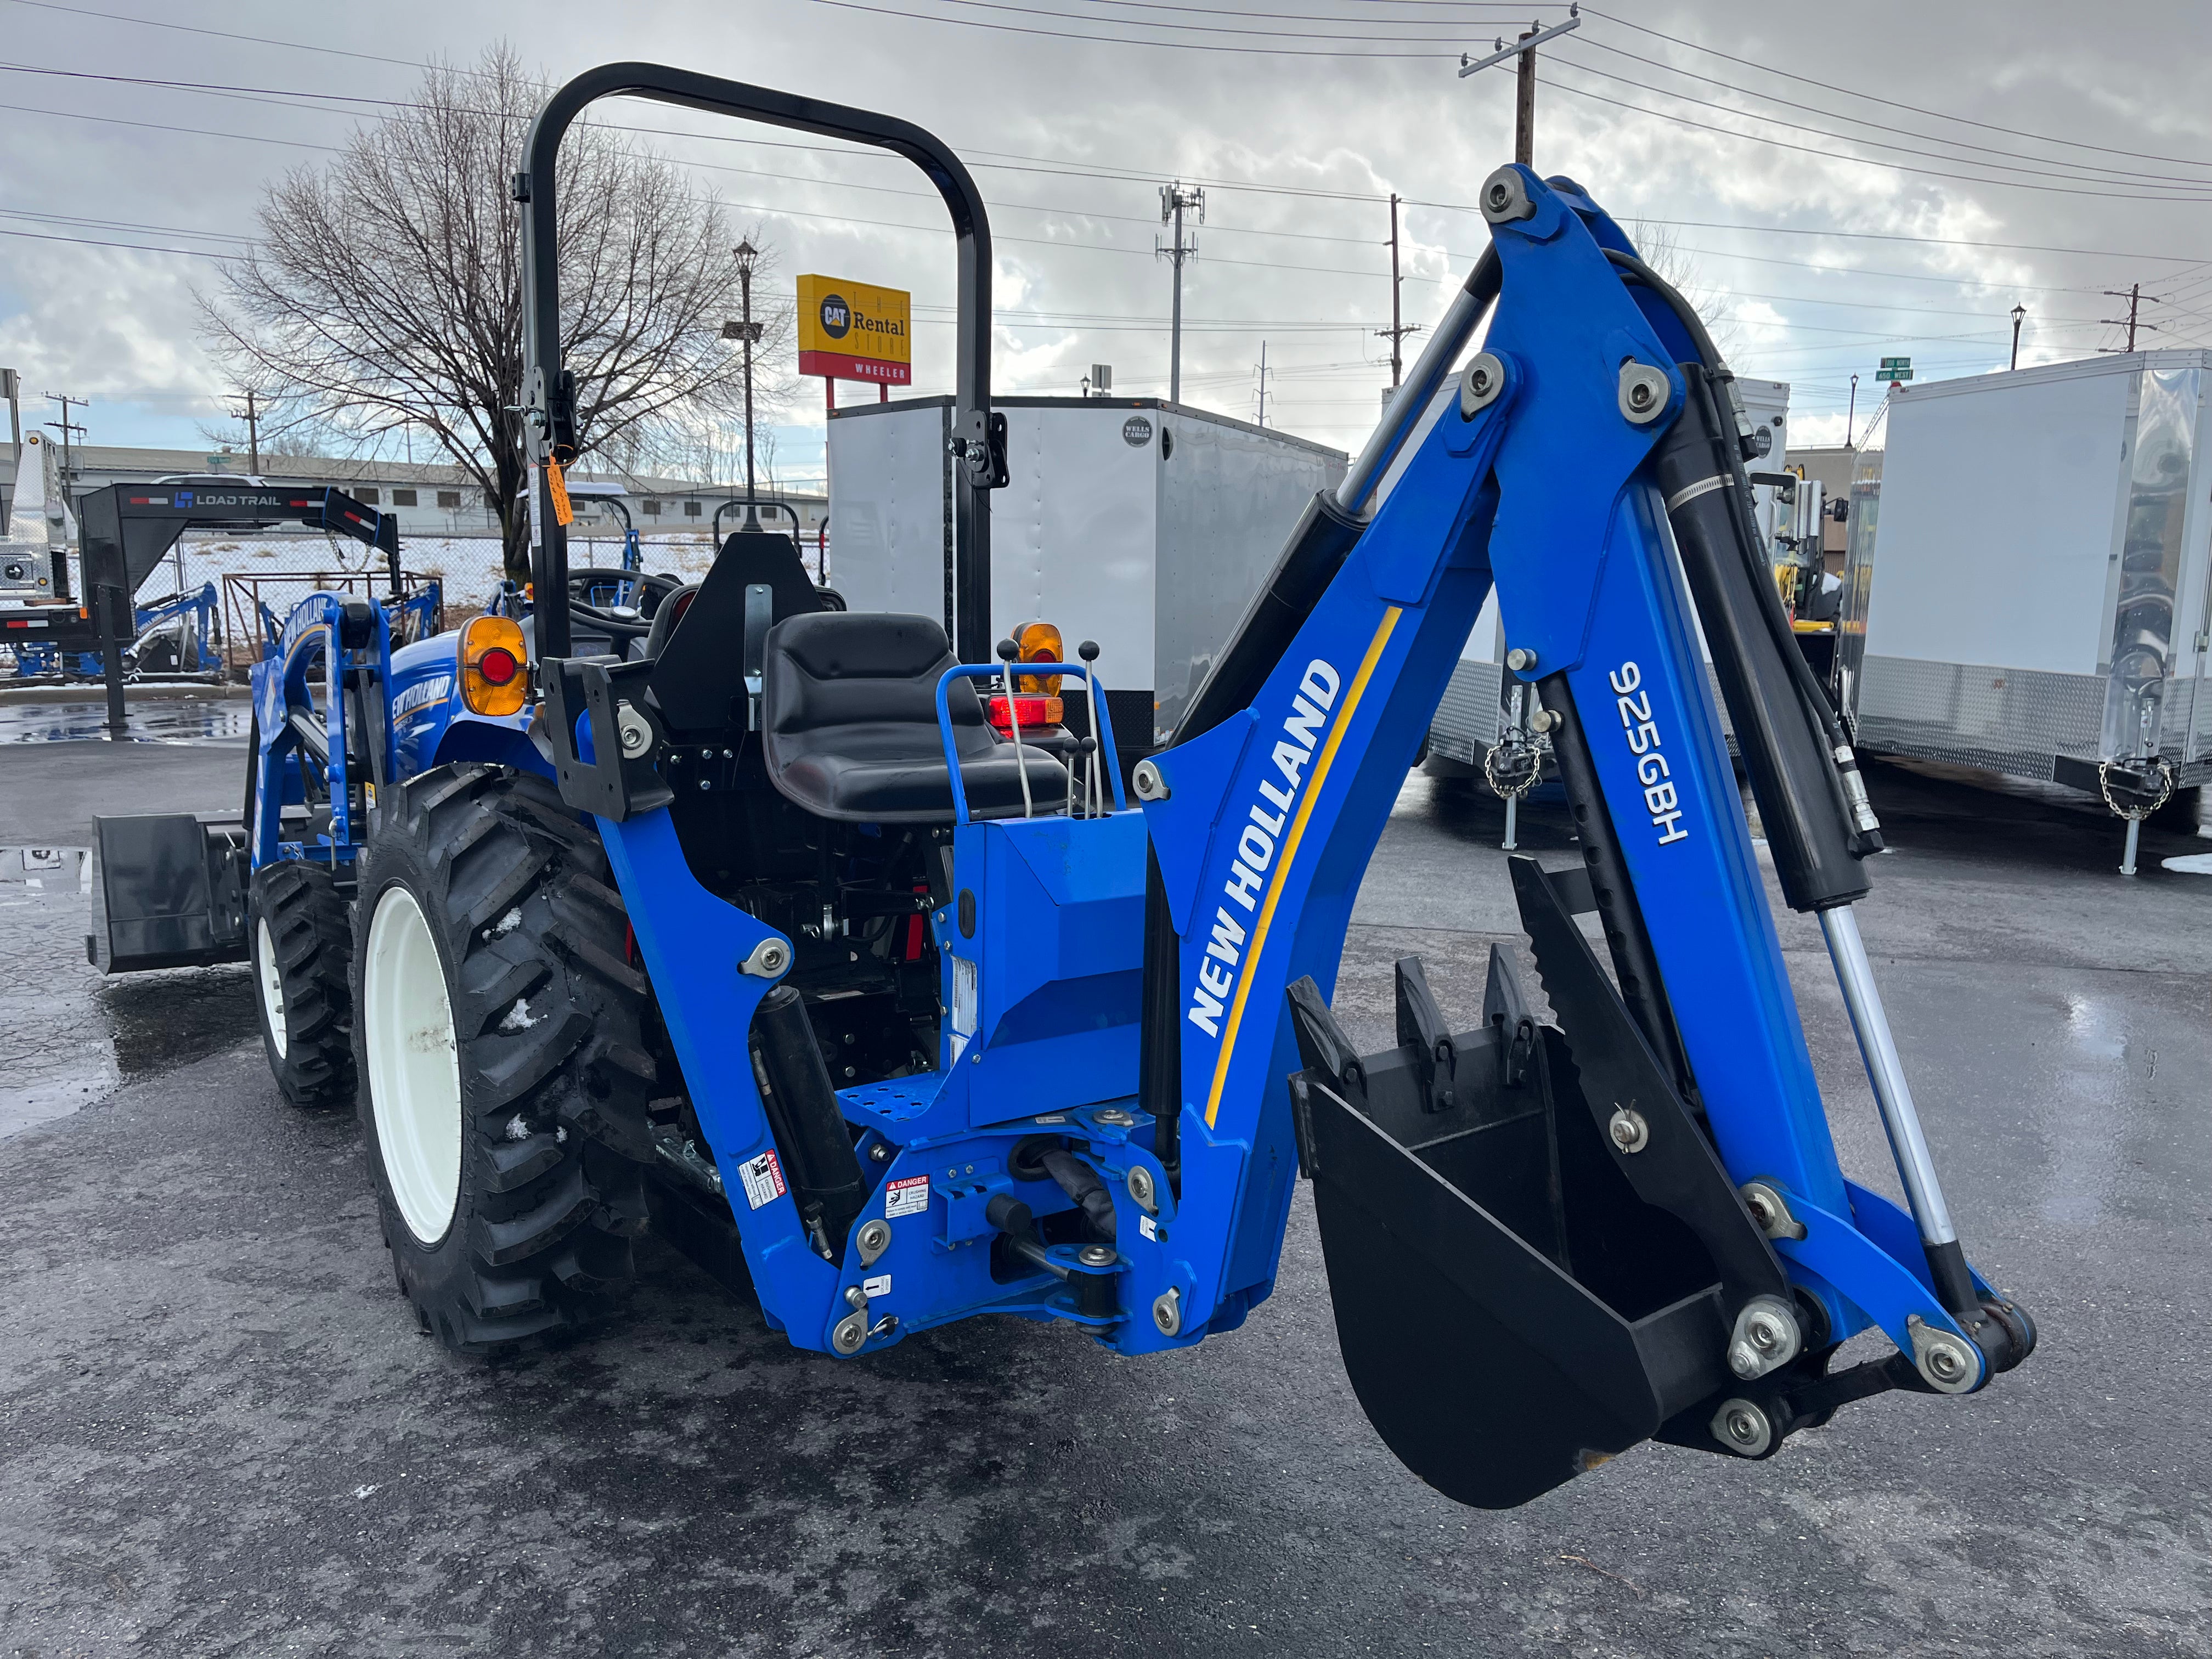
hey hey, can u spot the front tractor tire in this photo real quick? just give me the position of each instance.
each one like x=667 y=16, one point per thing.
x=301 y=941
x=504 y=1074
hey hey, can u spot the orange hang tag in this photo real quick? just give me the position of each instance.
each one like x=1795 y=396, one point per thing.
x=563 y=514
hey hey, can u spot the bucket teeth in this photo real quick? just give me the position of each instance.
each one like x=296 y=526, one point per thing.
x=1421 y=1028
x=1505 y=1012
x=1323 y=1048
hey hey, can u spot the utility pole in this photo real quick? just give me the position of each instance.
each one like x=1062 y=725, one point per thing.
x=252 y=435
x=1398 y=330
x=65 y=427
x=1524 y=107
x=1176 y=199
x=10 y=386
x=1524 y=103
x=1263 y=383
x=2135 y=297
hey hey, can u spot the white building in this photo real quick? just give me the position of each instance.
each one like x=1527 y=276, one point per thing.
x=430 y=500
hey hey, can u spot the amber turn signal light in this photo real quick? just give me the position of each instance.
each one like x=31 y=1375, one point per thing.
x=1040 y=641
x=495 y=667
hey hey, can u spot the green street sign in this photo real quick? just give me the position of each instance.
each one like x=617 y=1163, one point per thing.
x=1893 y=375
x=1897 y=363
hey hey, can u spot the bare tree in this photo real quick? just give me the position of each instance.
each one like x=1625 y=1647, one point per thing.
x=1660 y=246
x=387 y=292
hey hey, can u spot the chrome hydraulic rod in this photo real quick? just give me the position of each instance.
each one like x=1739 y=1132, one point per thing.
x=1923 y=1193
x=1453 y=331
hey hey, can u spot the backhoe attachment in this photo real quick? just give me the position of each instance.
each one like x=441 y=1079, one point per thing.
x=1549 y=1265
x=1547 y=1241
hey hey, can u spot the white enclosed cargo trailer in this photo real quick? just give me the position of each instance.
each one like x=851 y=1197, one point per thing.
x=1476 y=704
x=2028 y=587
x=1144 y=525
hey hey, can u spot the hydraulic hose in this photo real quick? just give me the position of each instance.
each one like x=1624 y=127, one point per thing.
x=1701 y=471
x=1810 y=688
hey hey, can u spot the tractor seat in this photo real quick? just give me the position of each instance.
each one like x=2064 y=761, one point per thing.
x=849 y=725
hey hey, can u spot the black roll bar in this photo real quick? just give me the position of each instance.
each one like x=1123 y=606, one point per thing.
x=714 y=525
x=549 y=395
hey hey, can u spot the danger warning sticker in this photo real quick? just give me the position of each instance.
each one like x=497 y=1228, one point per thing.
x=762 y=1178
x=907 y=1196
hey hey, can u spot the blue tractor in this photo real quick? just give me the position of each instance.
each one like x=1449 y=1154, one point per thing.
x=745 y=924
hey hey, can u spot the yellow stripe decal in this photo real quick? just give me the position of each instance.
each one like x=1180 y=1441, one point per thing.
x=1290 y=851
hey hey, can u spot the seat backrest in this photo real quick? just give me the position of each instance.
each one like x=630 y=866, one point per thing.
x=698 y=675
x=872 y=669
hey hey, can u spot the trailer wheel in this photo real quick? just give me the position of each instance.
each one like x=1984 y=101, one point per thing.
x=504 y=1075
x=300 y=940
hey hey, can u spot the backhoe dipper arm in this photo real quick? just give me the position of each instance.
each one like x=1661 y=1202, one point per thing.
x=1593 y=414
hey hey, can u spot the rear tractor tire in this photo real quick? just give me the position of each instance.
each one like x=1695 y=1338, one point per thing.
x=504 y=1073
x=300 y=940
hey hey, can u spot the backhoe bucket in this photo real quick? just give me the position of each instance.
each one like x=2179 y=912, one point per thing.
x=1516 y=1302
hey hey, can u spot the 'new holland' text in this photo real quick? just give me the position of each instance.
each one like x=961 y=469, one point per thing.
x=1258 y=841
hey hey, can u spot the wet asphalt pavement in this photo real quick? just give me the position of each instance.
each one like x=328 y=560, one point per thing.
x=65 y=1037
x=219 y=1432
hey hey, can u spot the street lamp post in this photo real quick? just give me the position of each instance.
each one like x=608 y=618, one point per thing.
x=2019 y=316
x=748 y=255
x=1851 y=413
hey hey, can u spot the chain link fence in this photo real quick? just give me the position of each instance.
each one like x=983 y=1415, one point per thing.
x=212 y=606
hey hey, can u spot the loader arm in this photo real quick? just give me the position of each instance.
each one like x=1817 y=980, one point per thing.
x=1683 y=1092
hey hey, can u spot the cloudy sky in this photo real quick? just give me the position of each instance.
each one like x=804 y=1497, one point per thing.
x=1842 y=182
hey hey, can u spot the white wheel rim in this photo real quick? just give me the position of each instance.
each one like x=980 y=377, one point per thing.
x=414 y=1065
x=273 y=992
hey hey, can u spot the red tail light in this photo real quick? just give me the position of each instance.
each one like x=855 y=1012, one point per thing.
x=498 y=665
x=1037 y=713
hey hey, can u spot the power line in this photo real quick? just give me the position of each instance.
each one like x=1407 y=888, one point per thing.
x=1859 y=120
x=157 y=126
x=120 y=224
x=1865 y=235
x=1108 y=40
x=1889 y=276
x=997 y=6
x=2106 y=191
x=135 y=247
x=1875 y=98
x=1010 y=163
x=2135 y=297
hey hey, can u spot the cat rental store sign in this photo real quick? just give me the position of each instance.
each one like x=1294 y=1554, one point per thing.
x=855 y=331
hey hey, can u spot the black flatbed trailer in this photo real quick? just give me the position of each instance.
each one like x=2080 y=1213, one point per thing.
x=128 y=529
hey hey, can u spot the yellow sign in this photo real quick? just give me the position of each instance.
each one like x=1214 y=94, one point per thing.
x=855 y=331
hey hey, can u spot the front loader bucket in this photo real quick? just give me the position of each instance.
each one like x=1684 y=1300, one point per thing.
x=1512 y=1309
x=170 y=893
